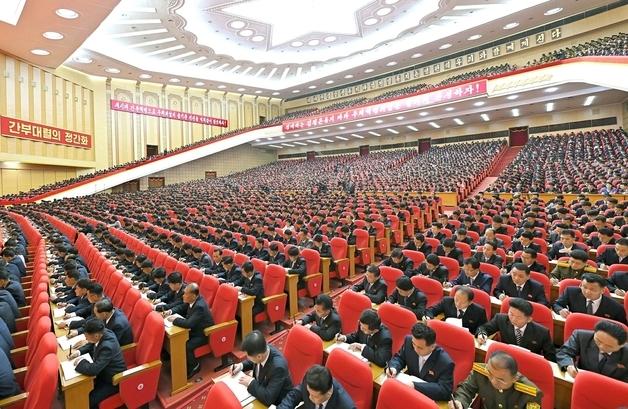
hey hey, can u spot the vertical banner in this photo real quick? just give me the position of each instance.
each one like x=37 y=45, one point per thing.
x=364 y=150
x=311 y=155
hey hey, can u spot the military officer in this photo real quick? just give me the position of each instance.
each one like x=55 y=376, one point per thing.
x=575 y=268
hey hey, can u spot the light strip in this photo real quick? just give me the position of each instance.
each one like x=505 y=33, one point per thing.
x=326 y=140
x=272 y=72
x=357 y=136
x=314 y=142
x=165 y=50
x=393 y=131
x=435 y=125
x=288 y=145
x=285 y=73
x=299 y=143
x=374 y=133
x=342 y=138
x=412 y=128
x=209 y=64
x=234 y=69
x=276 y=146
x=458 y=121
x=485 y=117
x=261 y=70
x=153 y=42
x=139 y=33
x=549 y=107
x=589 y=100
x=515 y=112
x=194 y=61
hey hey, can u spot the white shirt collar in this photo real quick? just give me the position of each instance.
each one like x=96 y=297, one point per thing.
x=109 y=319
x=523 y=329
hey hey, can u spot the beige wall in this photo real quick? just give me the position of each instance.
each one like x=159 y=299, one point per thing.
x=21 y=177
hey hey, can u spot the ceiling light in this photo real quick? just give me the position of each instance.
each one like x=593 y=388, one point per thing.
x=259 y=91
x=326 y=140
x=368 y=70
x=329 y=39
x=348 y=76
x=52 y=35
x=435 y=125
x=458 y=121
x=245 y=33
x=384 y=11
x=424 y=113
x=241 y=89
x=276 y=146
x=510 y=26
x=325 y=130
x=512 y=97
x=417 y=55
x=379 y=121
x=475 y=37
x=479 y=103
x=551 y=89
x=296 y=43
x=288 y=145
x=276 y=93
x=314 y=42
x=357 y=136
x=83 y=60
x=515 y=112
x=374 y=133
x=553 y=11
x=342 y=138
x=269 y=139
x=485 y=117
x=329 y=82
x=199 y=83
x=310 y=133
x=145 y=76
x=299 y=143
x=359 y=124
x=390 y=64
x=237 y=24
x=112 y=70
x=589 y=100
x=175 y=80
x=449 y=109
x=312 y=86
x=391 y=1
x=342 y=128
x=39 y=51
x=296 y=91
x=67 y=13
x=257 y=39
x=444 y=46
x=258 y=140
x=296 y=134
x=412 y=128
x=549 y=107
x=400 y=118
x=370 y=21
x=284 y=136
x=222 y=86
x=314 y=142
x=393 y=131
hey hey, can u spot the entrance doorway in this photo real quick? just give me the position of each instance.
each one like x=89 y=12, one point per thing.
x=210 y=174
x=156 y=182
x=152 y=150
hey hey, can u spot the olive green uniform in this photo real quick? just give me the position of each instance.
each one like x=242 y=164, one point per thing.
x=563 y=270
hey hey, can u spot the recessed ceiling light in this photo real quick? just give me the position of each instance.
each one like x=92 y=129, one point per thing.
x=314 y=142
x=553 y=11
x=549 y=107
x=444 y=46
x=299 y=143
x=313 y=42
x=39 y=51
x=512 y=97
x=485 y=117
x=284 y=136
x=112 y=70
x=326 y=140
x=374 y=133
x=296 y=134
x=589 y=100
x=296 y=91
x=329 y=39
x=400 y=118
x=145 y=76
x=67 y=13
x=357 y=136
x=359 y=124
x=325 y=130
x=379 y=121
x=342 y=138
x=417 y=55
x=412 y=128
x=384 y=11
x=342 y=128
x=222 y=86
x=310 y=133
x=435 y=125
x=259 y=91
x=312 y=86
x=175 y=80
x=245 y=33
x=449 y=109
x=424 y=113
x=296 y=43
x=475 y=37
x=551 y=89
x=199 y=83
x=348 y=76
x=83 y=60
x=329 y=82
x=510 y=26
x=368 y=70
x=370 y=21
x=458 y=121
x=276 y=146
x=390 y=64
x=288 y=145
x=269 y=139
x=237 y=24
x=52 y=35
x=276 y=93
x=257 y=39
x=393 y=131
x=479 y=103
x=515 y=112
x=241 y=89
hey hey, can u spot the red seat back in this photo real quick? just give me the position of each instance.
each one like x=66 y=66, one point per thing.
x=138 y=317
x=399 y=322
x=303 y=349
x=459 y=344
x=416 y=256
x=395 y=394
x=432 y=289
x=338 y=247
x=577 y=320
x=150 y=340
x=312 y=261
x=350 y=307
x=451 y=265
x=208 y=288
x=390 y=276
x=43 y=388
x=541 y=314
x=354 y=375
x=543 y=279
x=493 y=271
x=464 y=248
x=194 y=275
x=225 y=304
x=220 y=396
x=594 y=391
x=259 y=265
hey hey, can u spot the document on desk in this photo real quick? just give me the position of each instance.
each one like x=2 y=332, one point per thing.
x=405 y=378
x=169 y=323
x=345 y=346
x=69 y=371
x=65 y=343
x=454 y=321
x=240 y=391
x=69 y=320
x=59 y=312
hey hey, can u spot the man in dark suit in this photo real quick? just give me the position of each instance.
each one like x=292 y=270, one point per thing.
x=590 y=299
x=528 y=257
x=324 y=321
x=618 y=255
x=424 y=359
x=295 y=264
x=318 y=390
x=323 y=248
x=524 y=242
x=197 y=317
x=174 y=297
x=201 y=260
x=232 y=274
x=518 y=328
x=115 y=320
x=518 y=284
x=433 y=269
x=618 y=283
x=158 y=287
x=602 y=350
x=408 y=296
x=8 y=384
x=460 y=306
x=436 y=232
x=372 y=339
x=398 y=260
x=448 y=249
x=11 y=258
x=564 y=247
x=274 y=255
x=12 y=270
x=259 y=251
x=419 y=244
x=372 y=285
x=270 y=380
x=107 y=360
x=13 y=287
x=472 y=276
x=253 y=285
x=488 y=255
x=6 y=340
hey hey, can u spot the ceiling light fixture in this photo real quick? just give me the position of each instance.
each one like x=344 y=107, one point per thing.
x=510 y=26
x=485 y=117
x=370 y=21
x=296 y=91
x=444 y=46
x=374 y=133
x=276 y=93
x=512 y=97
x=175 y=80
x=67 y=14
x=112 y=70
x=435 y=125
x=349 y=76
x=342 y=138
x=245 y=33
x=259 y=91
x=553 y=11
x=551 y=89
x=589 y=100
x=257 y=39
x=325 y=130
x=299 y=143
x=342 y=128
x=416 y=55
x=400 y=118
x=310 y=133
x=327 y=140
x=237 y=24
x=449 y=109
x=475 y=37
x=549 y=107
x=288 y=145
x=412 y=128
x=222 y=86
x=458 y=121
x=329 y=82
x=515 y=112
x=199 y=83
x=145 y=76
x=368 y=70
x=479 y=103
x=379 y=121
x=357 y=136
x=424 y=113
x=296 y=43
x=83 y=60
x=39 y=51
x=390 y=64
x=276 y=146
x=241 y=89
x=329 y=39
x=314 y=142
x=384 y=11
x=52 y=35
x=313 y=43
x=393 y=131
x=359 y=124
x=312 y=86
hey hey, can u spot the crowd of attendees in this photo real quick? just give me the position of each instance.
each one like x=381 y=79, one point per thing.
x=584 y=162
x=610 y=45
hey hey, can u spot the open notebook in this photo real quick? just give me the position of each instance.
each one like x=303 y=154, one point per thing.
x=169 y=323
x=345 y=346
x=238 y=390
x=69 y=372
x=65 y=343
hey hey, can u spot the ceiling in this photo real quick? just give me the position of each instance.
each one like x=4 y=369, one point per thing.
x=471 y=111
x=282 y=48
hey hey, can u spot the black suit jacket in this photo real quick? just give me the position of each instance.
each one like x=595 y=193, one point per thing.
x=107 y=357
x=378 y=347
x=273 y=382
x=197 y=318
x=296 y=267
x=376 y=292
x=482 y=281
x=440 y=273
x=518 y=246
x=494 y=259
x=172 y=299
x=437 y=371
x=618 y=280
x=532 y=290
x=455 y=254
x=261 y=254
x=474 y=316
x=404 y=265
x=325 y=328
x=610 y=257
x=278 y=259
x=536 y=337
x=581 y=345
x=119 y=325
x=254 y=286
x=426 y=249
x=339 y=399
x=415 y=302
x=574 y=300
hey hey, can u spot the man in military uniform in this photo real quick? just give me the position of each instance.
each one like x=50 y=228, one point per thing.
x=498 y=385
x=574 y=268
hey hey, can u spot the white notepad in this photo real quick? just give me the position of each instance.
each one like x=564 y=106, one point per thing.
x=69 y=371
x=59 y=312
x=240 y=391
x=345 y=346
x=454 y=321
x=69 y=320
x=169 y=323
x=404 y=377
x=66 y=343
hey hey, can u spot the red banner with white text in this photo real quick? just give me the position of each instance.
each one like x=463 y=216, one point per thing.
x=130 y=107
x=441 y=96
x=17 y=128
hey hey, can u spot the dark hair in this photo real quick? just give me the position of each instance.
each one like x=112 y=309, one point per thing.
x=194 y=288
x=104 y=305
x=579 y=255
x=319 y=378
x=568 y=232
x=473 y=262
x=8 y=253
x=254 y=343
x=404 y=283
x=623 y=241
x=396 y=253
x=373 y=269
x=248 y=267
x=594 y=278
x=159 y=273
x=422 y=331
x=273 y=247
x=370 y=319
x=522 y=305
x=522 y=267
x=94 y=326
x=433 y=259
x=147 y=264
x=293 y=251
x=175 y=278
x=227 y=260
x=84 y=283
x=498 y=219
x=613 y=329
x=325 y=301
x=502 y=360
x=449 y=243
x=96 y=289
x=531 y=252
x=461 y=231
x=419 y=236
x=528 y=235
x=466 y=290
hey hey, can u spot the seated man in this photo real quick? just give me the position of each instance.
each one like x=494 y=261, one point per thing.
x=13 y=287
x=107 y=360
x=8 y=384
x=274 y=255
x=372 y=339
x=576 y=267
x=460 y=306
x=424 y=359
x=489 y=237
x=472 y=277
x=433 y=269
x=372 y=285
x=461 y=236
x=295 y=264
x=232 y=274
x=318 y=390
x=436 y=232
x=270 y=381
x=324 y=321
x=95 y=293
x=602 y=350
x=448 y=249
x=518 y=328
x=398 y=260
x=419 y=244
x=604 y=236
x=408 y=296
x=618 y=283
x=81 y=306
x=115 y=320
x=528 y=257
x=197 y=317
x=201 y=260
x=259 y=251
x=590 y=299
x=499 y=385
x=618 y=255
x=67 y=295
x=174 y=297
x=159 y=286
x=524 y=242
x=518 y=284
x=488 y=255
x=253 y=285
x=565 y=246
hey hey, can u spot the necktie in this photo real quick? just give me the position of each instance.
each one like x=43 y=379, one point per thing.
x=258 y=370
x=590 y=307
x=460 y=313
x=421 y=362
x=518 y=335
x=603 y=359
x=519 y=291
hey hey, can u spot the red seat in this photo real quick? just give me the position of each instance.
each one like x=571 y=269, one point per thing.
x=40 y=390
x=416 y=256
x=302 y=350
x=275 y=299
x=493 y=271
x=129 y=301
x=399 y=322
x=390 y=276
x=339 y=252
x=432 y=242
x=123 y=288
x=194 y=275
x=464 y=248
x=451 y=265
x=182 y=268
x=577 y=320
x=541 y=314
x=533 y=366
x=364 y=253
x=259 y=265
x=170 y=265
x=395 y=395
x=354 y=375
x=543 y=279
x=506 y=239
x=595 y=391
x=479 y=297
x=239 y=259
x=208 y=288
x=350 y=307
x=313 y=278
x=382 y=243
x=459 y=344
x=541 y=243
x=138 y=317
x=220 y=396
x=432 y=289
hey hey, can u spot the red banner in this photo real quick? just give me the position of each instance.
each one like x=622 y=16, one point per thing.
x=17 y=128
x=441 y=96
x=167 y=113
